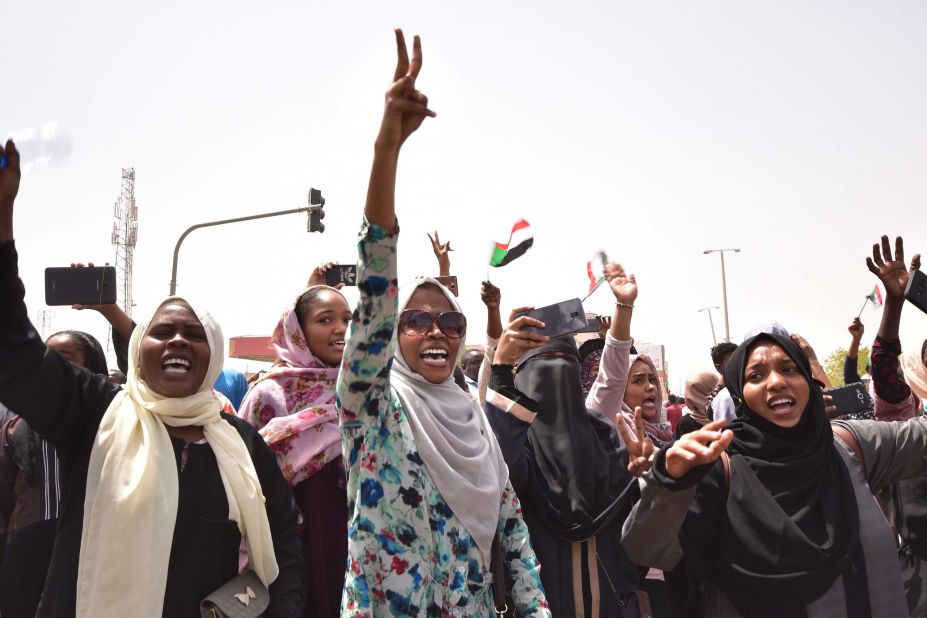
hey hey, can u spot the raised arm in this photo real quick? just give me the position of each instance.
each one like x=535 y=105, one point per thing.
x=492 y=298
x=406 y=109
x=61 y=401
x=850 y=373
x=442 y=254
x=363 y=382
x=893 y=273
x=607 y=392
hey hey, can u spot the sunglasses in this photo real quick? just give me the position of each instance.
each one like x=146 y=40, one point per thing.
x=418 y=322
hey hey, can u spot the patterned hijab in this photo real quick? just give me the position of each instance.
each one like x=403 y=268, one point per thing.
x=658 y=430
x=293 y=404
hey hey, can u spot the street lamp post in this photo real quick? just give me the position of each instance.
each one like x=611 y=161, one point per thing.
x=727 y=322
x=711 y=322
x=316 y=202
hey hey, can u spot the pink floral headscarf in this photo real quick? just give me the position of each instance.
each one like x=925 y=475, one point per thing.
x=293 y=404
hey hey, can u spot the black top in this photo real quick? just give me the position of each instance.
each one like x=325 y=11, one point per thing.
x=65 y=404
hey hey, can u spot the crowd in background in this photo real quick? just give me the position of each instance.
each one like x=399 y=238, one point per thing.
x=381 y=467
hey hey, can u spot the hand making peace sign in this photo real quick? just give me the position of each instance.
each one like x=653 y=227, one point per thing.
x=406 y=107
x=640 y=447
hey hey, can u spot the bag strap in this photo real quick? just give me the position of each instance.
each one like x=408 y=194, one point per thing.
x=850 y=440
x=497 y=568
x=726 y=464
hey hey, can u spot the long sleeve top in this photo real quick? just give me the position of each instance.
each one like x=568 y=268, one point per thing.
x=408 y=553
x=65 y=404
x=850 y=373
x=890 y=452
x=594 y=577
x=894 y=400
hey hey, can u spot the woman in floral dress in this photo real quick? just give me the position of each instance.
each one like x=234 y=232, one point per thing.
x=428 y=489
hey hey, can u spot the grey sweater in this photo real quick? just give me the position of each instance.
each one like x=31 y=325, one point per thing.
x=891 y=452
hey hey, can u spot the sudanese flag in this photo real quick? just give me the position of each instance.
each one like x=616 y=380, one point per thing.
x=520 y=240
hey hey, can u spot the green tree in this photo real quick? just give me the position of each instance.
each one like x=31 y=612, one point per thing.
x=833 y=366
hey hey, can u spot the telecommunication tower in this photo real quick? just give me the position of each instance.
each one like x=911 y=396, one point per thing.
x=43 y=320
x=125 y=235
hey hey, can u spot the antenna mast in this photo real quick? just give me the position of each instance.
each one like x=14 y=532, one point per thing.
x=125 y=235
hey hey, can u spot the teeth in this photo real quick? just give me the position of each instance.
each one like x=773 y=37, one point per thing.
x=177 y=361
x=435 y=352
x=780 y=401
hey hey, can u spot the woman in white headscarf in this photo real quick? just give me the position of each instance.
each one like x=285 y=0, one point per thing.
x=160 y=488
x=428 y=489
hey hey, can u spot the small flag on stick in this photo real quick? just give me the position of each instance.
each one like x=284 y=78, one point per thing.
x=594 y=268
x=520 y=240
x=874 y=297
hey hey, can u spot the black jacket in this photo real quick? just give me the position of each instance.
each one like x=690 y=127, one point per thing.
x=65 y=403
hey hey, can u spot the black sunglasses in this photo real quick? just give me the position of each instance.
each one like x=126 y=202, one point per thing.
x=418 y=322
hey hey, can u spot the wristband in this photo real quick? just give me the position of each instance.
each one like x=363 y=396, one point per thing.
x=625 y=305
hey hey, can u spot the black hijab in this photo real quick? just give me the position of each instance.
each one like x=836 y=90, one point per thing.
x=580 y=464
x=791 y=520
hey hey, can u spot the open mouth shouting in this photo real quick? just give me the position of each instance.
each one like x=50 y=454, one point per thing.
x=176 y=366
x=781 y=405
x=434 y=356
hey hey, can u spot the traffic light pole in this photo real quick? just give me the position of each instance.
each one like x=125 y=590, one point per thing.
x=310 y=209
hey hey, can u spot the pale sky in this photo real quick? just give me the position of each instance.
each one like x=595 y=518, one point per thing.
x=653 y=130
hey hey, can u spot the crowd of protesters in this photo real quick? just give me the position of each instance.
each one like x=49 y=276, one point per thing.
x=379 y=468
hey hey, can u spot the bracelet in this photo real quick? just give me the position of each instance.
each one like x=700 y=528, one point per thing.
x=625 y=305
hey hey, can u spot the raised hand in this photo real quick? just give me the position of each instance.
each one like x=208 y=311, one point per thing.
x=605 y=323
x=9 y=188
x=490 y=295
x=892 y=271
x=514 y=341
x=442 y=252
x=318 y=276
x=697 y=448
x=857 y=329
x=406 y=108
x=640 y=447
x=623 y=286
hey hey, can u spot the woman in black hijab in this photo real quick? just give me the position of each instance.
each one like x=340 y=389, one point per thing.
x=792 y=528
x=567 y=463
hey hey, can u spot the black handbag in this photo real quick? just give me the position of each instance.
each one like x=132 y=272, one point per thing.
x=242 y=597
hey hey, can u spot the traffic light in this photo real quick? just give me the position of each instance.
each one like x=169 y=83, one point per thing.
x=316 y=214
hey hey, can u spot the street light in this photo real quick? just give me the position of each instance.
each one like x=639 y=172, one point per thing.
x=710 y=321
x=316 y=203
x=727 y=322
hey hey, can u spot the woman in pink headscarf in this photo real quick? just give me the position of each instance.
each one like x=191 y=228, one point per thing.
x=293 y=407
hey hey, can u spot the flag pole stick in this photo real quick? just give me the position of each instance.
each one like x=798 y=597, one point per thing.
x=592 y=290
x=863 y=307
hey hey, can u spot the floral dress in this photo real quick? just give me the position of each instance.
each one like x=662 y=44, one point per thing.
x=408 y=554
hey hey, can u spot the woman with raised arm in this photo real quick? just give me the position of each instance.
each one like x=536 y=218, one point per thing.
x=566 y=459
x=775 y=515
x=293 y=407
x=160 y=488
x=428 y=489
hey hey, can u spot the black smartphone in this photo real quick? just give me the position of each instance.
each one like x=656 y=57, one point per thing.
x=916 y=290
x=850 y=399
x=341 y=273
x=593 y=325
x=450 y=282
x=92 y=285
x=559 y=319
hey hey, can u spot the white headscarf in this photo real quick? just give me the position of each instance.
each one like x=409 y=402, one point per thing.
x=131 y=502
x=454 y=439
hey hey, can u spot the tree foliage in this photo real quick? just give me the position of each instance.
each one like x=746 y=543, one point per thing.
x=833 y=365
